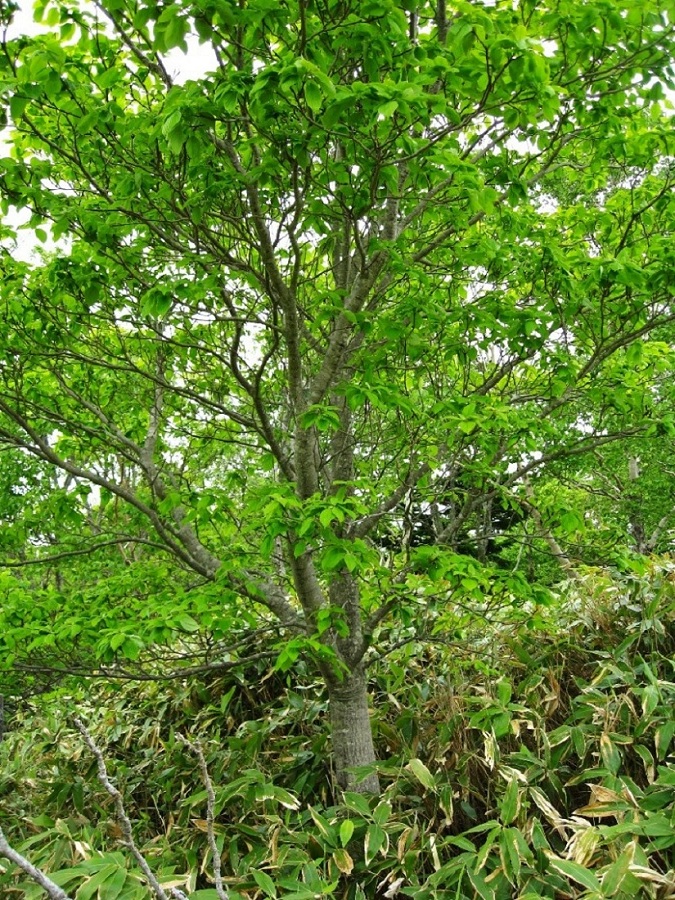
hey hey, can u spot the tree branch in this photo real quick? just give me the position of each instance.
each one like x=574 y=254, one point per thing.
x=122 y=817
x=54 y=892
x=156 y=66
x=565 y=562
x=196 y=748
x=82 y=551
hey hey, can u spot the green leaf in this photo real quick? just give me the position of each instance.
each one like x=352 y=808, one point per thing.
x=17 y=107
x=650 y=699
x=333 y=558
x=576 y=872
x=480 y=886
x=284 y=797
x=572 y=521
x=313 y=96
x=422 y=774
x=113 y=887
x=326 y=516
x=326 y=829
x=510 y=803
x=176 y=139
x=90 y=888
x=388 y=109
x=467 y=426
x=376 y=840
x=346 y=831
x=615 y=876
x=357 y=803
x=663 y=737
x=634 y=353
x=510 y=854
x=610 y=753
x=264 y=882
x=117 y=640
x=187 y=623
x=156 y=303
x=382 y=812
x=504 y=691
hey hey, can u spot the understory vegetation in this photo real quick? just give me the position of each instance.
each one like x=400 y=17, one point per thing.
x=535 y=761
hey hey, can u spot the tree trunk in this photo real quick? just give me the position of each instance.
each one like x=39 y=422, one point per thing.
x=351 y=731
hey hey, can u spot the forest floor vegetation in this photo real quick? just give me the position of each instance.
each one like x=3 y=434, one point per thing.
x=537 y=762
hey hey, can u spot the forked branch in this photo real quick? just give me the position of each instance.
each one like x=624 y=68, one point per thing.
x=54 y=892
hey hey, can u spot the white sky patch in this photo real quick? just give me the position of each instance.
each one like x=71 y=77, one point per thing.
x=24 y=23
x=190 y=66
x=525 y=460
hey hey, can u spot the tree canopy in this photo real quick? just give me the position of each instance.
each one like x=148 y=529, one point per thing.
x=327 y=333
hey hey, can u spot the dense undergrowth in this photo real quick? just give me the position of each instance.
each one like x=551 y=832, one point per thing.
x=536 y=762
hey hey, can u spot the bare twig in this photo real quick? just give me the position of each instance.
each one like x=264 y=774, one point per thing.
x=54 y=892
x=122 y=817
x=196 y=748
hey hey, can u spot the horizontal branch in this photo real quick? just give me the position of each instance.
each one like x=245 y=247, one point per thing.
x=82 y=551
x=119 y=674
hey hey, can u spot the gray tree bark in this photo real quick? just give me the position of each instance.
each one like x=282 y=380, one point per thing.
x=351 y=731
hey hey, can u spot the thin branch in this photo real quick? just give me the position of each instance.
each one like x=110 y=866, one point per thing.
x=35 y=874
x=196 y=748
x=39 y=446
x=363 y=526
x=565 y=562
x=277 y=286
x=180 y=540
x=82 y=551
x=156 y=66
x=122 y=817
x=120 y=674
x=656 y=534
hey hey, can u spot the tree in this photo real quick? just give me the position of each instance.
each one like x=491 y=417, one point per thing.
x=388 y=255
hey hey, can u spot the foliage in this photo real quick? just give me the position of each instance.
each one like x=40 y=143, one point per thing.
x=336 y=359
x=382 y=263
x=544 y=773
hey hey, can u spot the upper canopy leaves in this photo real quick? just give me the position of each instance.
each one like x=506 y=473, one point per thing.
x=380 y=250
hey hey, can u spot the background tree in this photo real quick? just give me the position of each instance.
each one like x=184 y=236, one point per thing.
x=386 y=256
